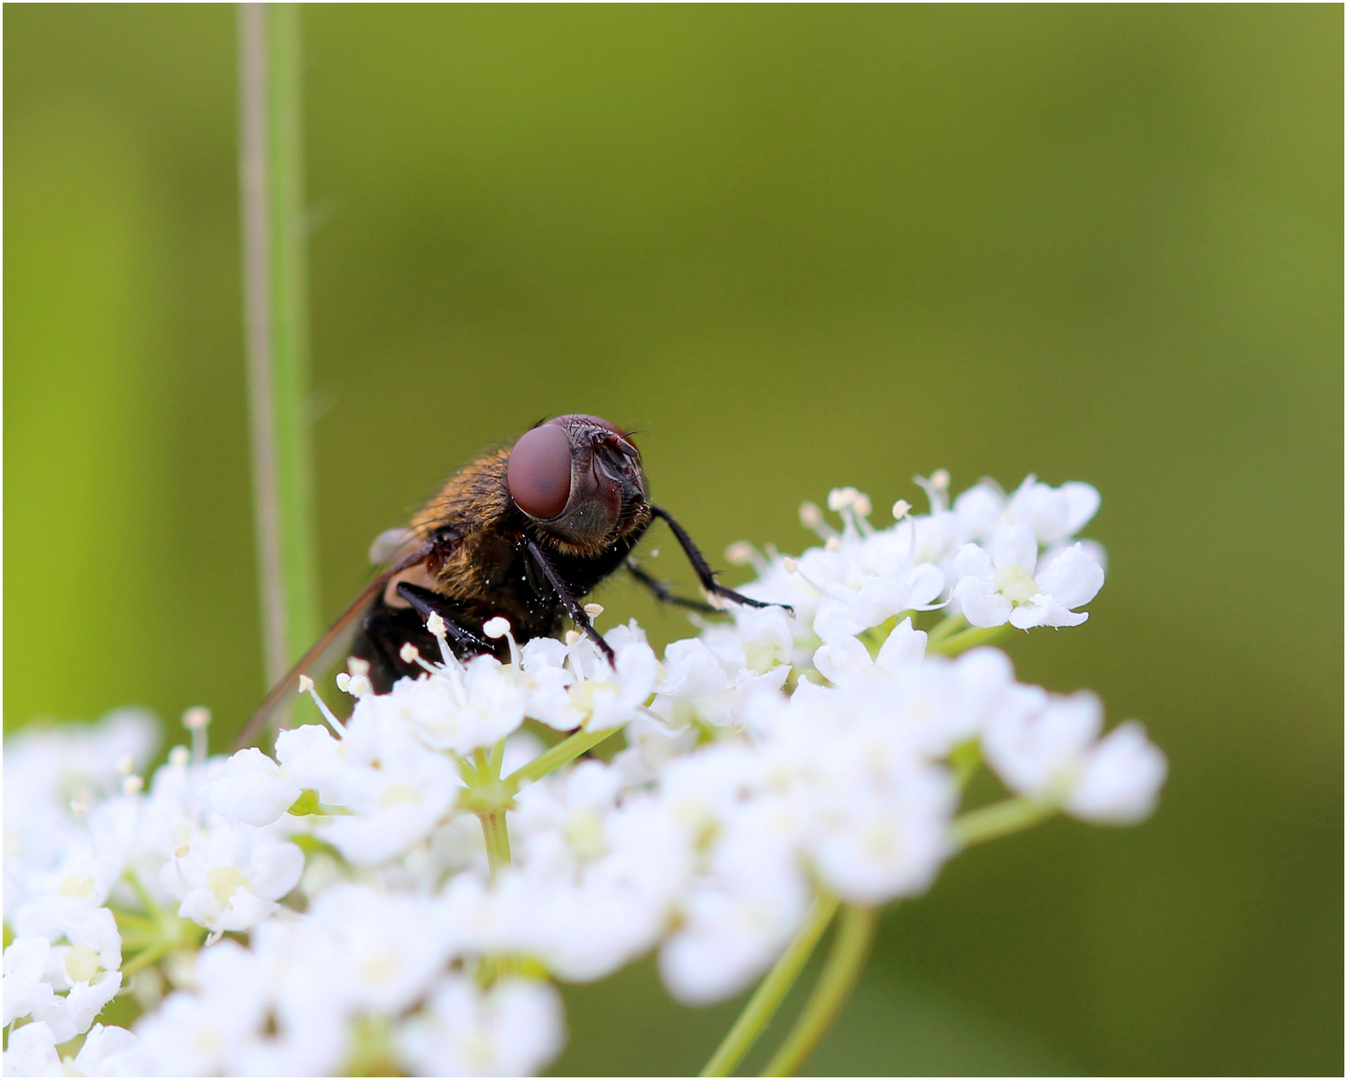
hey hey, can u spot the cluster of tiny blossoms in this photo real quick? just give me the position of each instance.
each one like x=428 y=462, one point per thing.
x=402 y=890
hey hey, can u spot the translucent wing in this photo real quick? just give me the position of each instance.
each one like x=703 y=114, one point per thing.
x=392 y=544
x=326 y=651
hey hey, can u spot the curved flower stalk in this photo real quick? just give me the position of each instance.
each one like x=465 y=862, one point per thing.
x=403 y=889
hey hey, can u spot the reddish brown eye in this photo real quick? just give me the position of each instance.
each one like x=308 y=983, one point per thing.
x=539 y=472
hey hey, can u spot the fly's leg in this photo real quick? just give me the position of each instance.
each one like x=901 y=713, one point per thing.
x=703 y=570
x=661 y=591
x=573 y=606
x=429 y=603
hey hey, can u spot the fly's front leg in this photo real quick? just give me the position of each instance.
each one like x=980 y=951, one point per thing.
x=573 y=606
x=703 y=569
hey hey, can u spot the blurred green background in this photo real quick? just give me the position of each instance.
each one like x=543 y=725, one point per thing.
x=796 y=247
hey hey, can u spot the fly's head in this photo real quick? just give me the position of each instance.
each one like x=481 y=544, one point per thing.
x=579 y=478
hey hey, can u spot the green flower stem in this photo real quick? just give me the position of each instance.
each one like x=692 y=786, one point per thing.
x=132 y=922
x=772 y=990
x=275 y=288
x=965 y=761
x=944 y=628
x=168 y=933
x=154 y=911
x=497 y=837
x=567 y=750
x=850 y=948
x=151 y=955
x=999 y=819
x=491 y=799
x=468 y=771
x=874 y=638
x=156 y=933
x=953 y=644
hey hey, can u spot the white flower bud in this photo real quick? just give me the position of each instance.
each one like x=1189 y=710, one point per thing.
x=196 y=718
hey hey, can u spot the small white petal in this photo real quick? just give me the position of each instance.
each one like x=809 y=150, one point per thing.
x=1073 y=578
x=1121 y=778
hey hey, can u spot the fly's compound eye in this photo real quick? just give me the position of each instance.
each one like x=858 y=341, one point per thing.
x=539 y=472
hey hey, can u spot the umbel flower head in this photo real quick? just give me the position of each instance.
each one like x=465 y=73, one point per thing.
x=403 y=889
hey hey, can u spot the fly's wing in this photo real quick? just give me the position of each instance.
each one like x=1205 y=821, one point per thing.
x=326 y=651
x=392 y=544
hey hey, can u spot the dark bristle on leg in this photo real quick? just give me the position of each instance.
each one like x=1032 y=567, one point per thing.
x=573 y=606
x=703 y=569
x=661 y=591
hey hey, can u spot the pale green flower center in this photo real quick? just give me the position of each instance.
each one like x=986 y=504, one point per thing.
x=379 y=969
x=224 y=881
x=77 y=886
x=586 y=693
x=1016 y=584
x=584 y=832
x=761 y=656
x=399 y=793
x=81 y=963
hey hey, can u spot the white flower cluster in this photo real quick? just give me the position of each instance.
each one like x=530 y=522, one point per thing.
x=400 y=889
